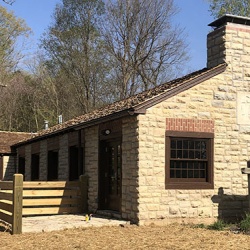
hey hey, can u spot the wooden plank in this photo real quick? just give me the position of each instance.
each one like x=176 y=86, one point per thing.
x=6 y=195
x=6 y=216
x=50 y=184
x=6 y=205
x=49 y=193
x=17 y=204
x=6 y=185
x=50 y=210
x=50 y=201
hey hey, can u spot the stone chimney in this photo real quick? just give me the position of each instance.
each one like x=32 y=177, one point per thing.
x=229 y=42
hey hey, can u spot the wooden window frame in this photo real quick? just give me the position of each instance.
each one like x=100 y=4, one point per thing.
x=185 y=183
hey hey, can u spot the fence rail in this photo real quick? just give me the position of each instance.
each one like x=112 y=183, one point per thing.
x=18 y=199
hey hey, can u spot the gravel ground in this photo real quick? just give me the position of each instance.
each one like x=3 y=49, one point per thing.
x=172 y=237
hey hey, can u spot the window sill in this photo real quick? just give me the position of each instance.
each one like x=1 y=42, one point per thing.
x=189 y=185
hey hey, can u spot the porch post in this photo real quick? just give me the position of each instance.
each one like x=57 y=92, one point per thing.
x=17 y=204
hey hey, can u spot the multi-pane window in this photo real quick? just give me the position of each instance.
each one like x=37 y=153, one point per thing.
x=189 y=160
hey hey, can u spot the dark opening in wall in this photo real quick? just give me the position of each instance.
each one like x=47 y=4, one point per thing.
x=35 y=159
x=75 y=162
x=52 y=165
x=21 y=166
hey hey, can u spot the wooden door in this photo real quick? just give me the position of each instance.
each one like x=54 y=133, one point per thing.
x=110 y=175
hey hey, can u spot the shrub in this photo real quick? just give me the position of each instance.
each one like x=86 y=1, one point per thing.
x=245 y=223
x=217 y=225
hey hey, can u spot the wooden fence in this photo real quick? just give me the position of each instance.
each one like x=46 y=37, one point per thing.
x=18 y=199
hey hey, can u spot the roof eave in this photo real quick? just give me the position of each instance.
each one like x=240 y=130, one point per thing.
x=79 y=126
x=141 y=108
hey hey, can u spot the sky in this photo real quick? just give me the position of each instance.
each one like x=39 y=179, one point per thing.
x=193 y=16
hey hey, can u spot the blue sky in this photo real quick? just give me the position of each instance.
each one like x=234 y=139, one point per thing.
x=193 y=17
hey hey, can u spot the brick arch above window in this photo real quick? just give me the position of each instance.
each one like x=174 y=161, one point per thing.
x=189 y=125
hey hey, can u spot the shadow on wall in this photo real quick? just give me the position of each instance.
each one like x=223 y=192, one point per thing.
x=231 y=208
x=8 y=168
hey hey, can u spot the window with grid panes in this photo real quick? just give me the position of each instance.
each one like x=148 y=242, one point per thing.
x=189 y=160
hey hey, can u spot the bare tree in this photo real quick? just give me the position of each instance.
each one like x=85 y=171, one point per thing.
x=143 y=47
x=9 y=1
x=219 y=8
x=11 y=31
x=75 y=51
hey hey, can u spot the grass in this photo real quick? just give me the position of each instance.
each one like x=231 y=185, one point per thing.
x=218 y=225
x=245 y=223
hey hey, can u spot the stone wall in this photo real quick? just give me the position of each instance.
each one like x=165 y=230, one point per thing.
x=27 y=162
x=63 y=155
x=130 y=174
x=44 y=146
x=222 y=99
x=43 y=173
x=231 y=150
x=91 y=165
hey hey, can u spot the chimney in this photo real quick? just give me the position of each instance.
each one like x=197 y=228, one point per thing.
x=60 y=119
x=229 y=42
x=46 y=124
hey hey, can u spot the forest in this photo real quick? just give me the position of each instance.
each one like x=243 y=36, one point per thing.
x=94 y=52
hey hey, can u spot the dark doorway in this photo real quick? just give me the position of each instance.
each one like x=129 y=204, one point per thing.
x=21 y=166
x=110 y=175
x=52 y=165
x=75 y=162
x=35 y=167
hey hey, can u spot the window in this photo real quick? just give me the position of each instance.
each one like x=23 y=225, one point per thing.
x=189 y=160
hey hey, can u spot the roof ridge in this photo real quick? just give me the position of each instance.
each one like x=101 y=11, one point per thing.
x=138 y=101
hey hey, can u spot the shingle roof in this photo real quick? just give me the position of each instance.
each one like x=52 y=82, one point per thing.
x=9 y=138
x=138 y=102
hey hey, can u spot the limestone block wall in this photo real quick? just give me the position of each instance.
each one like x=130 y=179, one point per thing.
x=43 y=173
x=91 y=165
x=217 y=100
x=28 y=162
x=63 y=155
x=63 y=165
x=222 y=99
x=130 y=174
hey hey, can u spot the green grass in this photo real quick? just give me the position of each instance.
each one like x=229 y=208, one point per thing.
x=218 y=225
x=245 y=223
x=201 y=225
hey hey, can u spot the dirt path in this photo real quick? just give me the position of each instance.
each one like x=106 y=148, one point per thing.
x=128 y=237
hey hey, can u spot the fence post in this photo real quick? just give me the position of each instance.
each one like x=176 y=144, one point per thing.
x=17 y=204
x=84 y=193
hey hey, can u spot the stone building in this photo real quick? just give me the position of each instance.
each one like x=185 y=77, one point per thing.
x=174 y=152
